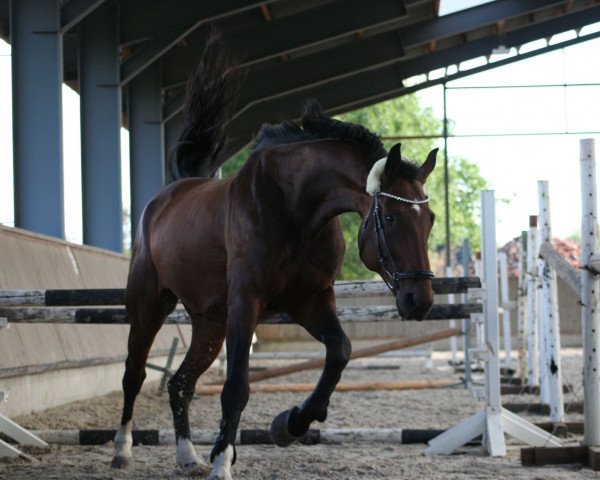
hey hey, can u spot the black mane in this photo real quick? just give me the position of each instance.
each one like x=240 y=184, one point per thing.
x=317 y=126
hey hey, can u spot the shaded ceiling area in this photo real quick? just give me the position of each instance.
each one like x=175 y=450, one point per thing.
x=346 y=53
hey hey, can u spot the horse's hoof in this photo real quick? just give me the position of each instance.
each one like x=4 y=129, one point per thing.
x=122 y=463
x=220 y=476
x=280 y=433
x=222 y=464
x=195 y=469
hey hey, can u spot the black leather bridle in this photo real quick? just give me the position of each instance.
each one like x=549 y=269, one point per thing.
x=392 y=275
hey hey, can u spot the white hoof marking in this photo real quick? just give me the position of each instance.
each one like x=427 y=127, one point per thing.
x=123 y=441
x=222 y=465
x=186 y=456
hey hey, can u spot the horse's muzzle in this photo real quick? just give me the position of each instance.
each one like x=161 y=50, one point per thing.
x=414 y=304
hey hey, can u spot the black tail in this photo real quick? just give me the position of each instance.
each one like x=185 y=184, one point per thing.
x=211 y=97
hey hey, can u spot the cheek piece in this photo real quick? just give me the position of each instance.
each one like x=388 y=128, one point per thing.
x=391 y=274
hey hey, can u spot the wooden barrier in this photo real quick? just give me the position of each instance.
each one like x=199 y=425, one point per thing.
x=115 y=316
x=340 y=387
x=155 y=437
x=116 y=296
x=244 y=437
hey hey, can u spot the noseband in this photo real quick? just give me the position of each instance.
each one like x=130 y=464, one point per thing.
x=392 y=275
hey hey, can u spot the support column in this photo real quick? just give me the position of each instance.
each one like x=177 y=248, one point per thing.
x=101 y=130
x=37 y=66
x=145 y=140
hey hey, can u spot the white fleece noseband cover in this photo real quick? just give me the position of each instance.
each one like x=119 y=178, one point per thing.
x=374 y=177
x=374 y=183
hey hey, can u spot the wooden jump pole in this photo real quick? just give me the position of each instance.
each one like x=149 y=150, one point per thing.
x=93 y=316
x=363 y=352
x=116 y=296
x=156 y=437
x=341 y=387
x=244 y=436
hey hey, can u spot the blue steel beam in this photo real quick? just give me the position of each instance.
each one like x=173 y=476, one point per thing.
x=145 y=140
x=295 y=32
x=75 y=11
x=205 y=13
x=37 y=116
x=100 y=97
x=144 y=21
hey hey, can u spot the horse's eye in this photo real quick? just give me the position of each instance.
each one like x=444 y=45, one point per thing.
x=389 y=218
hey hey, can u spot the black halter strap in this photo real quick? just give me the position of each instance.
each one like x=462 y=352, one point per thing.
x=392 y=275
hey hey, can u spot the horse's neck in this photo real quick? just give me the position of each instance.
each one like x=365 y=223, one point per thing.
x=327 y=184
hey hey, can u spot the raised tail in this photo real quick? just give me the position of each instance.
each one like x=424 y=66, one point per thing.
x=211 y=97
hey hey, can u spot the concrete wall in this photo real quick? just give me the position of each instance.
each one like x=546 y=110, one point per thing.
x=30 y=261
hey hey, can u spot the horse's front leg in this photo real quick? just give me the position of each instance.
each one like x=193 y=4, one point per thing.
x=319 y=318
x=243 y=315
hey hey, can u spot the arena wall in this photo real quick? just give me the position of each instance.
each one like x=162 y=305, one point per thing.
x=40 y=364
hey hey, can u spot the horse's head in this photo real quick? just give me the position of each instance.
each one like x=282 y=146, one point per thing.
x=394 y=234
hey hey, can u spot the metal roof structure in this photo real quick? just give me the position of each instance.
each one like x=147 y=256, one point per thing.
x=345 y=53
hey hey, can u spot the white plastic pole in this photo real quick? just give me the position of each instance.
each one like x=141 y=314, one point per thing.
x=590 y=288
x=522 y=311
x=494 y=437
x=466 y=323
x=503 y=266
x=478 y=326
x=549 y=301
x=542 y=331
x=452 y=324
x=533 y=342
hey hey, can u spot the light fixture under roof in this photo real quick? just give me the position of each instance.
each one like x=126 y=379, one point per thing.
x=501 y=50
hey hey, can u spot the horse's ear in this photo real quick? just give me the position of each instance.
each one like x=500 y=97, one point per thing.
x=428 y=166
x=392 y=165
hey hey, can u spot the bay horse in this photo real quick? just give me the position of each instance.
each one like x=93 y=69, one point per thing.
x=265 y=239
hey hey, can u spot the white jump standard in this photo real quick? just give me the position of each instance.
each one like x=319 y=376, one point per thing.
x=494 y=421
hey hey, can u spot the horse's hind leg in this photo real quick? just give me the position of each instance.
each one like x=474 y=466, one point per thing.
x=147 y=308
x=207 y=340
x=319 y=318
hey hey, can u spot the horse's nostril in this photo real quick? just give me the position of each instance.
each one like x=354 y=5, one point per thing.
x=409 y=301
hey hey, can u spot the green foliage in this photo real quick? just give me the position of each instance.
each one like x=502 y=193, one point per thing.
x=404 y=116
x=235 y=163
x=352 y=268
x=465 y=184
